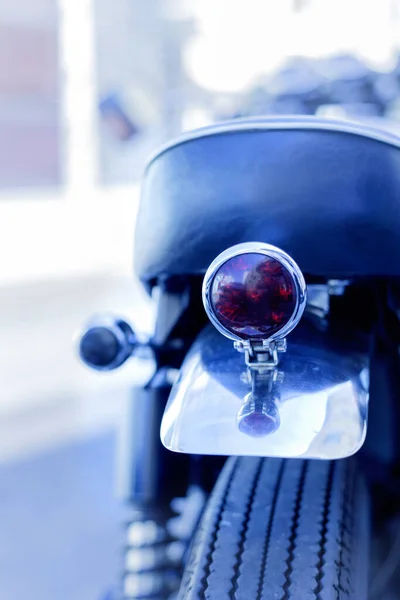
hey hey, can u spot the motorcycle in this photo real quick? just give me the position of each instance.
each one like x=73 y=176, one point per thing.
x=272 y=248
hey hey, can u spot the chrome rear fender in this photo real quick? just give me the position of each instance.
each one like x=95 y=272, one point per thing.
x=313 y=405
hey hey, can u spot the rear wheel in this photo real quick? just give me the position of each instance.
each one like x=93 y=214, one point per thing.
x=282 y=529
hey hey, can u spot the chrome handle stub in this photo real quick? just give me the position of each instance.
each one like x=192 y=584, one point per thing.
x=255 y=294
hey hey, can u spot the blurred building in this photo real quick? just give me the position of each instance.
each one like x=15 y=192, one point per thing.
x=29 y=94
x=139 y=48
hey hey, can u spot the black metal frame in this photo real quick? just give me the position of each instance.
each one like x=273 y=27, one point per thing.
x=149 y=477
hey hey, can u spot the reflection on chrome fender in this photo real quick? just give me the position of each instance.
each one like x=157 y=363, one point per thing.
x=259 y=414
x=313 y=405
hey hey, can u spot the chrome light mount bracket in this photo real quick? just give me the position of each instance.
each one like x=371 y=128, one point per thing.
x=255 y=295
x=264 y=355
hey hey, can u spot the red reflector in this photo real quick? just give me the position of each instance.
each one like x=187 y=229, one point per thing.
x=258 y=424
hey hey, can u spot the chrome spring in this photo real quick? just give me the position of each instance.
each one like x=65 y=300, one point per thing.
x=155 y=547
x=153 y=557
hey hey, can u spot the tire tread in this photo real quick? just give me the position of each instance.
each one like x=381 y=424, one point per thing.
x=279 y=529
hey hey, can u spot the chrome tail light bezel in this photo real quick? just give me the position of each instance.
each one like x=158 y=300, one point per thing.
x=272 y=252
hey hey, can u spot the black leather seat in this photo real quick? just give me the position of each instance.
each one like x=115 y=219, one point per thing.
x=326 y=192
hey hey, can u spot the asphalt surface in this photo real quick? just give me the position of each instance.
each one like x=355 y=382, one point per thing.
x=60 y=523
x=60 y=520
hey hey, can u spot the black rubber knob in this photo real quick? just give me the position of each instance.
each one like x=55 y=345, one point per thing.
x=106 y=344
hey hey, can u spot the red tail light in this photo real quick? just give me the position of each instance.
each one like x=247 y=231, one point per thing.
x=254 y=292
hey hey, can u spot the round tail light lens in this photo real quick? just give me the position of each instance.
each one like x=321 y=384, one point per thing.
x=254 y=292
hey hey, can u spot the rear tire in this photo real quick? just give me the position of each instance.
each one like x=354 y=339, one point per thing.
x=282 y=529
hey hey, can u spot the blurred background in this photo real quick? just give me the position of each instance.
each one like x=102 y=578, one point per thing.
x=88 y=90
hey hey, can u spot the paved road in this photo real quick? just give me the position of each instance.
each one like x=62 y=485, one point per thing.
x=47 y=397
x=60 y=524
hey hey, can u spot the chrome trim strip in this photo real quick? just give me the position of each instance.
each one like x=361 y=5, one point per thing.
x=294 y=123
